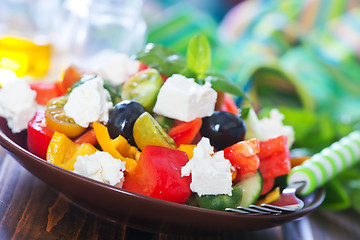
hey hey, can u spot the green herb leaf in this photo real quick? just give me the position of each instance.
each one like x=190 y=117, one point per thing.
x=221 y=83
x=244 y=112
x=164 y=60
x=338 y=199
x=199 y=55
x=115 y=92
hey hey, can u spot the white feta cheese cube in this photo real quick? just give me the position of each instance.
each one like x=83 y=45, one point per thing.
x=273 y=127
x=118 y=69
x=17 y=104
x=210 y=173
x=182 y=99
x=89 y=102
x=101 y=166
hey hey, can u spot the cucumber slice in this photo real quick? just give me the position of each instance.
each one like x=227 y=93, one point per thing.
x=251 y=187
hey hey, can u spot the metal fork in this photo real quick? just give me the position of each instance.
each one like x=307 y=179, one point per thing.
x=313 y=173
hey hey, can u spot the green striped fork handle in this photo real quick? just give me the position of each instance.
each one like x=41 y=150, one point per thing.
x=325 y=165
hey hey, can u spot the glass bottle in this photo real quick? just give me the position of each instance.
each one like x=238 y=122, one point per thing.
x=89 y=28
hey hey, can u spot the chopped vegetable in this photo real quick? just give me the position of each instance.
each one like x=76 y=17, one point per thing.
x=57 y=120
x=221 y=201
x=143 y=88
x=185 y=132
x=71 y=76
x=229 y=105
x=148 y=132
x=251 y=185
x=242 y=155
x=46 y=91
x=158 y=175
x=87 y=137
x=274 y=157
x=63 y=152
x=38 y=135
x=188 y=148
x=270 y=197
x=118 y=148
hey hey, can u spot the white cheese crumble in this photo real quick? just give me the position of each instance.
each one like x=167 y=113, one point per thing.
x=182 y=99
x=17 y=104
x=210 y=173
x=118 y=69
x=89 y=102
x=6 y=76
x=269 y=127
x=101 y=166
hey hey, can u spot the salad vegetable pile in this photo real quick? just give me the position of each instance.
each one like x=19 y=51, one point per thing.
x=158 y=125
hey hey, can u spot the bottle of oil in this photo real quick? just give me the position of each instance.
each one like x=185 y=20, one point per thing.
x=24 y=57
x=25 y=45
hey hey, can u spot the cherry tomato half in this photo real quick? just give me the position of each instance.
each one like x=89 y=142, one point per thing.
x=57 y=120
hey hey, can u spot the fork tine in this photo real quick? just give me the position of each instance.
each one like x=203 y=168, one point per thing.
x=252 y=210
x=236 y=210
x=272 y=211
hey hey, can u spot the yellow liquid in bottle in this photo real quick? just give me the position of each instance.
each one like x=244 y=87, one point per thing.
x=24 y=57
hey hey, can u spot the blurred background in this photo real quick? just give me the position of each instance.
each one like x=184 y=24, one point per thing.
x=299 y=56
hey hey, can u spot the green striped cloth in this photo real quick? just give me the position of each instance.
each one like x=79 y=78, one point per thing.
x=325 y=165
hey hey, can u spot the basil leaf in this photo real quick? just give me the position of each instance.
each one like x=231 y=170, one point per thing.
x=114 y=91
x=244 y=112
x=222 y=83
x=199 y=54
x=164 y=60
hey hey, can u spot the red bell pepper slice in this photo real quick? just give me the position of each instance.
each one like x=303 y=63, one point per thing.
x=46 y=91
x=158 y=175
x=242 y=155
x=38 y=135
x=87 y=137
x=229 y=105
x=274 y=157
x=185 y=132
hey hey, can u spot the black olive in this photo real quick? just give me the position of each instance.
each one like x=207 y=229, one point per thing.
x=223 y=129
x=122 y=118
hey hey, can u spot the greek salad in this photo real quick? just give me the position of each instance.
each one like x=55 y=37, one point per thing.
x=156 y=124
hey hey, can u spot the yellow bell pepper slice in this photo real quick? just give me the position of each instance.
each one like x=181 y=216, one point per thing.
x=188 y=148
x=270 y=197
x=63 y=152
x=118 y=148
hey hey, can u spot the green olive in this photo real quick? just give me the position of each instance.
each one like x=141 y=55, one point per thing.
x=147 y=131
x=143 y=88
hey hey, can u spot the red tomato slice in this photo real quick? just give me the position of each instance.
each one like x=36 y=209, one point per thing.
x=242 y=155
x=185 y=132
x=46 y=91
x=143 y=66
x=229 y=105
x=274 y=157
x=158 y=175
x=268 y=184
x=38 y=135
x=71 y=76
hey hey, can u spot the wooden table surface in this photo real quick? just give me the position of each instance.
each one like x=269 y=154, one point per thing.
x=30 y=209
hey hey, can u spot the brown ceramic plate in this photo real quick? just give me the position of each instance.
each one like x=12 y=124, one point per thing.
x=136 y=210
